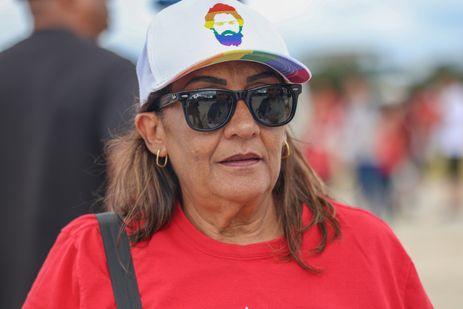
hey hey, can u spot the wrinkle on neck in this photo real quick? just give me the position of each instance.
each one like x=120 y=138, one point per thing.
x=236 y=223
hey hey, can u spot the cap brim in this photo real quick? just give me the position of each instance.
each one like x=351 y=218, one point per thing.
x=290 y=69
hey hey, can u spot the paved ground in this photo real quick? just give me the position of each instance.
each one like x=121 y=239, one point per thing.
x=435 y=243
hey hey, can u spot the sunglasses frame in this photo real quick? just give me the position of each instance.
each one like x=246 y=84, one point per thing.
x=245 y=95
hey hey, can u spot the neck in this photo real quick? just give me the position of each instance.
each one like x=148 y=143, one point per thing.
x=39 y=25
x=235 y=223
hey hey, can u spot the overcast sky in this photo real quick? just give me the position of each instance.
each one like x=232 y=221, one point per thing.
x=404 y=31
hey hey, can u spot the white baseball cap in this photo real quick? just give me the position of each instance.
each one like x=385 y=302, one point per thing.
x=193 y=34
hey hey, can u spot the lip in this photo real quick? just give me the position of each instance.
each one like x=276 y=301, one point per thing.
x=242 y=159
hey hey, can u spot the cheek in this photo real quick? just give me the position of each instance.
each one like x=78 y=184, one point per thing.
x=275 y=166
x=188 y=150
x=191 y=160
x=273 y=144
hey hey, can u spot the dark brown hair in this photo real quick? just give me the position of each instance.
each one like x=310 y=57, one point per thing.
x=142 y=193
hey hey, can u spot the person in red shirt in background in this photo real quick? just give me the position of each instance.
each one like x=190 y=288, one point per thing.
x=392 y=150
x=324 y=129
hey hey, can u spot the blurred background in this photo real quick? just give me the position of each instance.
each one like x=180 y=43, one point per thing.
x=381 y=120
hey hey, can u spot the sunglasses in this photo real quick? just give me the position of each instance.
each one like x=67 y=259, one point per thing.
x=210 y=109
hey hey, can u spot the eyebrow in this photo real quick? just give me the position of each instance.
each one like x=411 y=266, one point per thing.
x=220 y=81
x=261 y=75
x=209 y=79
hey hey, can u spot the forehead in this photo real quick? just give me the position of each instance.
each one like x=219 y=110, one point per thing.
x=223 y=17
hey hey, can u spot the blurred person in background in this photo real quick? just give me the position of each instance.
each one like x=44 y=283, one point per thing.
x=324 y=128
x=360 y=144
x=420 y=118
x=60 y=97
x=450 y=137
x=221 y=208
x=391 y=151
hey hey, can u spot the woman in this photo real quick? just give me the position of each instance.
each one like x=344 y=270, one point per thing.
x=221 y=208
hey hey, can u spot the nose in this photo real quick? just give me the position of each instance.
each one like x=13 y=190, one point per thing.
x=242 y=124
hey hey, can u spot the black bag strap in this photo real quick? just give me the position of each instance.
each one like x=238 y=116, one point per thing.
x=119 y=260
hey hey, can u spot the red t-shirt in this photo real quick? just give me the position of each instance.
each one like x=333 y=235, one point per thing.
x=179 y=267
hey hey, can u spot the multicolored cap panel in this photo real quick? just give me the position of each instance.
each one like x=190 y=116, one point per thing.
x=289 y=69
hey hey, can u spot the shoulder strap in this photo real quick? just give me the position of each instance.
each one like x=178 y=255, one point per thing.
x=119 y=260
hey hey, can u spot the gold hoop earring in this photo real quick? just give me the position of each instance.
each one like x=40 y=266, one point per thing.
x=163 y=164
x=287 y=153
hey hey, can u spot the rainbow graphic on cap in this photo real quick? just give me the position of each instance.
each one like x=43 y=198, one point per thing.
x=290 y=70
x=226 y=24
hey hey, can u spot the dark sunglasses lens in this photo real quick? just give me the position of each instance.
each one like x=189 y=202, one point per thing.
x=208 y=110
x=272 y=105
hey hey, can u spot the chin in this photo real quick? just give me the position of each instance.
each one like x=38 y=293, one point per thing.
x=244 y=191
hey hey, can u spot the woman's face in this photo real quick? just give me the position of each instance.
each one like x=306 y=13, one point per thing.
x=238 y=162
